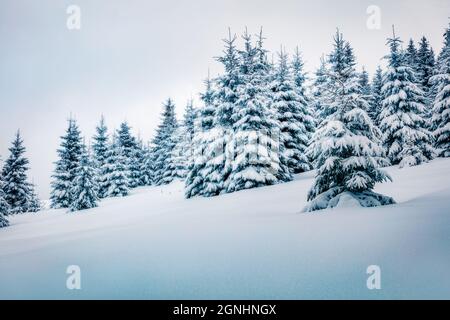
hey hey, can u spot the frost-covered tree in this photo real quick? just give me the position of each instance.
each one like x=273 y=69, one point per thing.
x=146 y=166
x=346 y=144
x=405 y=136
x=116 y=171
x=364 y=84
x=17 y=189
x=84 y=187
x=34 y=203
x=308 y=113
x=164 y=144
x=425 y=65
x=127 y=142
x=100 y=151
x=218 y=156
x=182 y=153
x=411 y=56
x=318 y=90
x=69 y=156
x=294 y=118
x=441 y=103
x=200 y=179
x=4 y=207
x=376 y=96
x=255 y=133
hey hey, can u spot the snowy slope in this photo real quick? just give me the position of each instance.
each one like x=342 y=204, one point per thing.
x=254 y=244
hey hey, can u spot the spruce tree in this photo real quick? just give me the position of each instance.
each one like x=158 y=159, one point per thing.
x=4 y=207
x=35 y=202
x=364 y=84
x=307 y=113
x=164 y=144
x=346 y=145
x=84 y=187
x=425 y=65
x=100 y=151
x=146 y=166
x=411 y=56
x=183 y=152
x=319 y=90
x=405 y=136
x=376 y=97
x=220 y=150
x=293 y=116
x=69 y=156
x=198 y=180
x=116 y=171
x=16 y=187
x=441 y=103
x=127 y=142
x=254 y=163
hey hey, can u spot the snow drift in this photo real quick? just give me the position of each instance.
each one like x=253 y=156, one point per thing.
x=253 y=244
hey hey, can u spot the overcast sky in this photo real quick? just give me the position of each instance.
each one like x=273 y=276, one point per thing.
x=130 y=55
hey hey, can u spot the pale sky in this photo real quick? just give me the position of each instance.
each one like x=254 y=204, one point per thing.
x=129 y=56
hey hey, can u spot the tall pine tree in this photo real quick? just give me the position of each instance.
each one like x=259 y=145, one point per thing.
x=293 y=116
x=376 y=97
x=220 y=149
x=116 y=171
x=69 y=155
x=255 y=133
x=164 y=144
x=405 y=136
x=17 y=189
x=198 y=174
x=346 y=145
x=84 y=187
x=183 y=151
x=100 y=151
x=319 y=90
x=441 y=103
x=127 y=142
x=4 y=207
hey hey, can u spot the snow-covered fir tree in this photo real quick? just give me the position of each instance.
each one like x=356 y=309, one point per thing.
x=17 y=189
x=318 y=90
x=255 y=133
x=299 y=75
x=183 y=152
x=35 y=202
x=219 y=151
x=164 y=144
x=4 y=207
x=425 y=67
x=405 y=136
x=146 y=165
x=364 y=84
x=411 y=56
x=116 y=171
x=293 y=116
x=376 y=96
x=69 y=156
x=197 y=180
x=127 y=142
x=100 y=151
x=346 y=144
x=84 y=188
x=441 y=103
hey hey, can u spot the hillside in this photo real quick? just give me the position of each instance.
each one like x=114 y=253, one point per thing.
x=252 y=244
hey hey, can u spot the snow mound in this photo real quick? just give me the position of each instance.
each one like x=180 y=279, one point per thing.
x=335 y=197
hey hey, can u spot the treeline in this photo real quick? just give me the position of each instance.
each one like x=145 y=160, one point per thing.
x=260 y=122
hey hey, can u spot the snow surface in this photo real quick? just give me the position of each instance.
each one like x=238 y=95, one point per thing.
x=253 y=244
